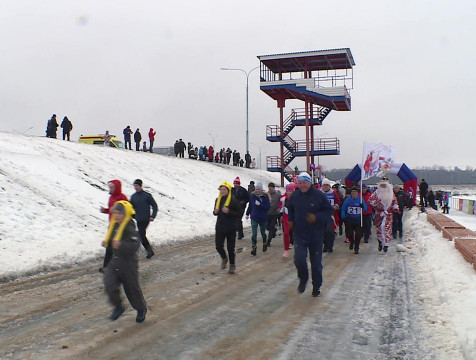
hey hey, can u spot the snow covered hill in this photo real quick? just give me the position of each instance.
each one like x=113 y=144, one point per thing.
x=51 y=191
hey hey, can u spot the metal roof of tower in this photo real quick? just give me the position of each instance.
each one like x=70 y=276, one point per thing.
x=317 y=60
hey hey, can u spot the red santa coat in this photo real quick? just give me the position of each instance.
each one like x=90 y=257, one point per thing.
x=383 y=218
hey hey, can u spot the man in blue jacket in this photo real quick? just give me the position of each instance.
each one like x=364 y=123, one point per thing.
x=258 y=208
x=142 y=201
x=309 y=212
x=351 y=212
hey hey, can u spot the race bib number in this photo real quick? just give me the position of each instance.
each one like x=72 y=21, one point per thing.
x=331 y=201
x=353 y=210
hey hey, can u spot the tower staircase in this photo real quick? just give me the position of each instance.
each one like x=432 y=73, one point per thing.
x=292 y=148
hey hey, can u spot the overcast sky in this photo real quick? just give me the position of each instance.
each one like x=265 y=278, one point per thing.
x=107 y=64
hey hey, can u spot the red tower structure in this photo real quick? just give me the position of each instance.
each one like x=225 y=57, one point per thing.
x=322 y=80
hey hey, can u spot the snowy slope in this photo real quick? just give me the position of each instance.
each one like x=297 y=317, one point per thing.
x=51 y=191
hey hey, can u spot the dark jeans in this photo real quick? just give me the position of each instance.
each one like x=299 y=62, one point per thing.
x=127 y=141
x=423 y=200
x=142 y=226
x=329 y=237
x=397 y=224
x=301 y=248
x=271 y=227
x=137 y=146
x=151 y=146
x=254 y=231
x=127 y=275
x=367 y=219
x=66 y=134
x=239 y=224
x=353 y=231
x=230 y=237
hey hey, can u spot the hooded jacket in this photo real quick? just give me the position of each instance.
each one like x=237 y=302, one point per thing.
x=115 y=196
x=125 y=233
x=227 y=222
x=152 y=134
x=258 y=207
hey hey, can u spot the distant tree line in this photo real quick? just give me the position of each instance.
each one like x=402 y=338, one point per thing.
x=434 y=175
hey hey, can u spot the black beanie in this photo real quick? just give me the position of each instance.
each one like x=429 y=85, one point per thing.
x=138 y=182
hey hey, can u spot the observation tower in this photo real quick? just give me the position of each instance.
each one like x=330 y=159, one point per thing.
x=322 y=80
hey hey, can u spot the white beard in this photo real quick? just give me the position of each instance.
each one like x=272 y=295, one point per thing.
x=385 y=195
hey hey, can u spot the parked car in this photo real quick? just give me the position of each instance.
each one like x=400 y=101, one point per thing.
x=99 y=140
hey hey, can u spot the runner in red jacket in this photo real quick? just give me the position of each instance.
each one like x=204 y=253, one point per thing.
x=115 y=190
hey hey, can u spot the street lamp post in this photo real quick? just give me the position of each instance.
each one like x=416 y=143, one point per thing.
x=213 y=139
x=247 y=114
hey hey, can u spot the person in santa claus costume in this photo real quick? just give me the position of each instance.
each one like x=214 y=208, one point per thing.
x=384 y=203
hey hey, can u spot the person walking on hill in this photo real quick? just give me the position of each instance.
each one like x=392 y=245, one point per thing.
x=123 y=239
x=258 y=209
x=384 y=203
x=142 y=201
x=115 y=191
x=127 y=137
x=182 y=148
x=152 y=134
x=137 y=139
x=227 y=210
x=309 y=212
x=67 y=126
x=351 y=214
x=210 y=153
x=240 y=194
x=248 y=159
x=52 y=127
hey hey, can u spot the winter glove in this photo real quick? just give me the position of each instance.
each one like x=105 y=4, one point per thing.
x=311 y=218
x=291 y=226
x=247 y=217
x=361 y=205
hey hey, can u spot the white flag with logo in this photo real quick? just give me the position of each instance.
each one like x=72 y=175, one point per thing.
x=377 y=160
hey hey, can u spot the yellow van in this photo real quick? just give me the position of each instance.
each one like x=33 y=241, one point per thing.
x=99 y=140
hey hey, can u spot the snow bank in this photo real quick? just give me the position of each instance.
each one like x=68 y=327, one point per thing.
x=447 y=286
x=51 y=191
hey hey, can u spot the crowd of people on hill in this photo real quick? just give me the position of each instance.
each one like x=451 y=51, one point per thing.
x=203 y=153
x=221 y=156
x=127 y=132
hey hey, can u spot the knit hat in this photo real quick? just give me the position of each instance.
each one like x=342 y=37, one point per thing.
x=304 y=176
x=364 y=186
x=237 y=181
x=259 y=186
x=326 y=182
x=290 y=187
x=271 y=184
x=138 y=182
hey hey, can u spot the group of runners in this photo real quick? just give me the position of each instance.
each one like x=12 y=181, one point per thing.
x=309 y=215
